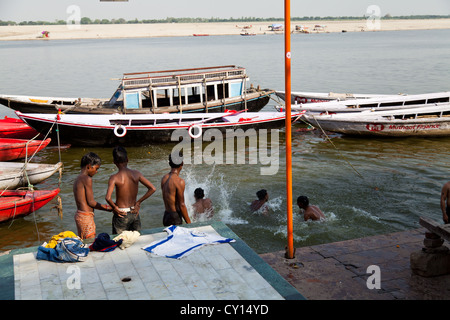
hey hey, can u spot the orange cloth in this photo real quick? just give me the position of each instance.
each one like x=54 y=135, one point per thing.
x=85 y=224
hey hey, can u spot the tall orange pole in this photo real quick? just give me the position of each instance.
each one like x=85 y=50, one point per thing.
x=287 y=59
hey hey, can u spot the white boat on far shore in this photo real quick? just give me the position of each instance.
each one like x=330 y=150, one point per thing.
x=429 y=121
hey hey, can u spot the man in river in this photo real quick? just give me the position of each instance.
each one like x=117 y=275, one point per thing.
x=310 y=211
x=445 y=202
x=172 y=187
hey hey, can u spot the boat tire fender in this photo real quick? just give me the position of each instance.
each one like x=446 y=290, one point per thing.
x=191 y=132
x=120 y=131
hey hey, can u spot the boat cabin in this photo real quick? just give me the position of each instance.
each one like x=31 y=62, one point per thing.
x=182 y=89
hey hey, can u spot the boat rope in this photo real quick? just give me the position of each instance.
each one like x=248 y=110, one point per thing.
x=15 y=208
x=340 y=153
x=329 y=140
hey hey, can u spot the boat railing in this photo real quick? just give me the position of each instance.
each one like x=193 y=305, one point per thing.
x=139 y=80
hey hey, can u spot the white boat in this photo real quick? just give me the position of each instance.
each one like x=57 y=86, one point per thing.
x=144 y=129
x=15 y=174
x=380 y=103
x=209 y=89
x=313 y=97
x=430 y=121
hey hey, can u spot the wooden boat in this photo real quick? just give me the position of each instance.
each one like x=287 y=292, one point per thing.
x=138 y=130
x=14 y=149
x=211 y=89
x=13 y=174
x=430 y=121
x=19 y=203
x=380 y=103
x=314 y=97
x=15 y=129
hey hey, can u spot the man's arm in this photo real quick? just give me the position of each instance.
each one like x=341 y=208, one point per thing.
x=444 y=198
x=90 y=197
x=150 y=190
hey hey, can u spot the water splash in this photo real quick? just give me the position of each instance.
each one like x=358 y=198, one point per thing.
x=216 y=188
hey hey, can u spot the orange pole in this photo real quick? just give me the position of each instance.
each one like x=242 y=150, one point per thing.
x=287 y=59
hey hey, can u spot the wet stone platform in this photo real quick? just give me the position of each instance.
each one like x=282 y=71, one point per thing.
x=339 y=271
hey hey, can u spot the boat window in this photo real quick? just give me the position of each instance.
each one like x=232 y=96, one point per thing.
x=408 y=103
x=391 y=104
x=124 y=122
x=439 y=100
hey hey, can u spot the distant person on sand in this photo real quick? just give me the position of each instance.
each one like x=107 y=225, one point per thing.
x=126 y=183
x=84 y=196
x=172 y=187
x=445 y=202
x=310 y=211
x=203 y=208
x=260 y=205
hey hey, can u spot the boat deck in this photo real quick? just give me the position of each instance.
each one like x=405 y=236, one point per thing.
x=215 y=272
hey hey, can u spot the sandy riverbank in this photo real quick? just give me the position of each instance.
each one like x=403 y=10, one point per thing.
x=189 y=29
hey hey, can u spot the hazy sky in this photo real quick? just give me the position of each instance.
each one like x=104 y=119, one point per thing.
x=51 y=10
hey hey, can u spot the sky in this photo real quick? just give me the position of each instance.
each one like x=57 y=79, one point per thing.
x=51 y=10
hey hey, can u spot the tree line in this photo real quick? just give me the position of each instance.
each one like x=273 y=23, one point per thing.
x=86 y=20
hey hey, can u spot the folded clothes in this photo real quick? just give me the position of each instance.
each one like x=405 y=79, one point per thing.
x=58 y=237
x=128 y=238
x=182 y=241
x=66 y=250
x=104 y=243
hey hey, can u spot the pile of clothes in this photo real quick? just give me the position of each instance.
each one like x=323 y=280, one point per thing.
x=68 y=247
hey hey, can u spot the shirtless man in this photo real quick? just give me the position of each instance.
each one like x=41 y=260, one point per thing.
x=310 y=211
x=126 y=182
x=84 y=196
x=172 y=187
x=445 y=197
x=203 y=209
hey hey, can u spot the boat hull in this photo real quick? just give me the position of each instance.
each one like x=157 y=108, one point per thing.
x=12 y=175
x=14 y=149
x=400 y=128
x=20 y=203
x=85 y=134
x=15 y=129
x=254 y=102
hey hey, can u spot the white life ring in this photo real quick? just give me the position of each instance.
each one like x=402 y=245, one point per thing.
x=120 y=127
x=195 y=136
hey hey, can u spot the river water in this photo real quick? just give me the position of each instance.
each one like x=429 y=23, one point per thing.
x=364 y=186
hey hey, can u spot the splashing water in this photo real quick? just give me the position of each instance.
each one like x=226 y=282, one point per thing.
x=215 y=188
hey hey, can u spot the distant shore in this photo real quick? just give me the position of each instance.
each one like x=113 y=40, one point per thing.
x=111 y=31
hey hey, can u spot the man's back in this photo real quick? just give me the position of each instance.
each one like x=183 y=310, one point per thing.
x=171 y=185
x=127 y=185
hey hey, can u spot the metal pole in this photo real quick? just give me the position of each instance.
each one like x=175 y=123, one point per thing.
x=287 y=59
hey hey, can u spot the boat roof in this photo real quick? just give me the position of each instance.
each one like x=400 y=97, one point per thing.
x=181 y=76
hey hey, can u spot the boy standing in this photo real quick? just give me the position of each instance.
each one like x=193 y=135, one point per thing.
x=126 y=182
x=84 y=196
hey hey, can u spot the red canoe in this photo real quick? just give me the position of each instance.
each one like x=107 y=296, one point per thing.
x=13 y=149
x=16 y=128
x=19 y=203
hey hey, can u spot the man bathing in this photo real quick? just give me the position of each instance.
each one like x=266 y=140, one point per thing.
x=84 y=196
x=172 y=187
x=310 y=211
x=203 y=209
x=126 y=182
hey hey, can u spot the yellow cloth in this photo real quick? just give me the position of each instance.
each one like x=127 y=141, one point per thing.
x=56 y=238
x=128 y=238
